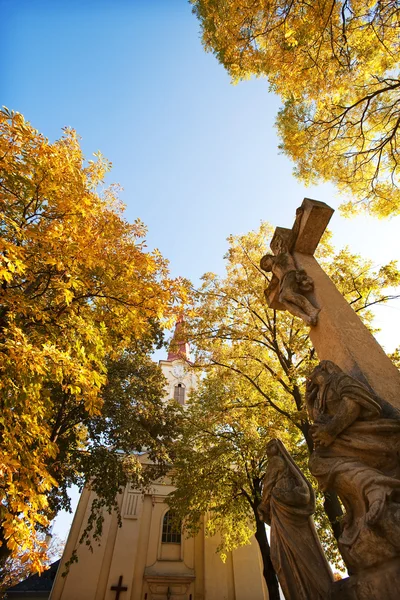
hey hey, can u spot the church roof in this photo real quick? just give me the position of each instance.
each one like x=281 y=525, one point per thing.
x=35 y=583
x=178 y=348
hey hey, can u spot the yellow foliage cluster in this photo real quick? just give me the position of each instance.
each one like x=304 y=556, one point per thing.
x=76 y=285
x=335 y=65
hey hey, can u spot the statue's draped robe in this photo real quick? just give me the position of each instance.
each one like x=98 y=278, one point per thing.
x=296 y=552
x=363 y=459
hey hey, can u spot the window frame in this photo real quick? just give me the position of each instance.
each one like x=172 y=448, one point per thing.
x=169 y=533
x=180 y=397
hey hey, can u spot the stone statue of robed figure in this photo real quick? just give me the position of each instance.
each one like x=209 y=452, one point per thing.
x=288 y=504
x=357 y=454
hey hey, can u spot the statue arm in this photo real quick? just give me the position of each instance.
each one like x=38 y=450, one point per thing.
x=298 y=494
x=347 y=412
x=273 y=285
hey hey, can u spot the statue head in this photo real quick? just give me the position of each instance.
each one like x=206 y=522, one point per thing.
x=322 y=371
x=267 y=262
x=329 y=367
x=317 y=383
x=276 y=448
x=328 y=375
x=272 y=448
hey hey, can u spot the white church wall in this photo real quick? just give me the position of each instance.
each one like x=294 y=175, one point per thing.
x=248 y=572
x=90 y=566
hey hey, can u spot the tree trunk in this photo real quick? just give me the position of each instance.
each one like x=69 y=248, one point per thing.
x=4 y=554
x=334 y=511
x=268 y=569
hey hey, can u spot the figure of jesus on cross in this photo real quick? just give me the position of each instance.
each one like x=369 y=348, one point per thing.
x=293 y=282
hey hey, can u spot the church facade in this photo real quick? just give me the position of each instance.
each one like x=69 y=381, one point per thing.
x=148 y=558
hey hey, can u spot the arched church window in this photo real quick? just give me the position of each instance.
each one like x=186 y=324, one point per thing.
x=171 y=532
x=179 y=393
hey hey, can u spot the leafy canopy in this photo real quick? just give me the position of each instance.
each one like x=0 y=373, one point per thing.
x=17 y=569
x=256 y=361
x=77 y=288
x=335 y=65
x=219 y=463
x=220 y=459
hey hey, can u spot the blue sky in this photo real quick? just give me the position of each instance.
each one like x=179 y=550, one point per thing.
x=197 y=157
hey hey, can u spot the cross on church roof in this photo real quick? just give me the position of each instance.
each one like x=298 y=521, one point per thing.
x=119 y=588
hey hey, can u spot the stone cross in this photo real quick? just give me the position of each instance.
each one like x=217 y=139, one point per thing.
x=119 y=588
x=339 y=334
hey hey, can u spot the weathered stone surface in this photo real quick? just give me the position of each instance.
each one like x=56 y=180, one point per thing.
x=316 y=216
x=288 y=504
x=342 y=337
x=357 y=454
x=379 y=583
x=282 y=238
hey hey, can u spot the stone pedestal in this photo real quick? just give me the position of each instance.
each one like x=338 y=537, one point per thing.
x=379 y=583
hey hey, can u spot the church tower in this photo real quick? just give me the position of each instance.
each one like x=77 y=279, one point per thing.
x=180 y=380
x=148 y=558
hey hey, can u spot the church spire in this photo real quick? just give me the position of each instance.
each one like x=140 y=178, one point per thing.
x=178 y=348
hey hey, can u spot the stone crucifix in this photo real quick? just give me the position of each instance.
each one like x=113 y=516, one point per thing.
x=301 y=286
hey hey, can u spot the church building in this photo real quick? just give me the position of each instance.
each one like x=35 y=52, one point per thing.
x=148 y=558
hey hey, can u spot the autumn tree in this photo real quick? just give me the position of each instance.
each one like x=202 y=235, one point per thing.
x=77 y=290
x=335 y=66
x=16 y=570
x=219 y=464
x=270 y=352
